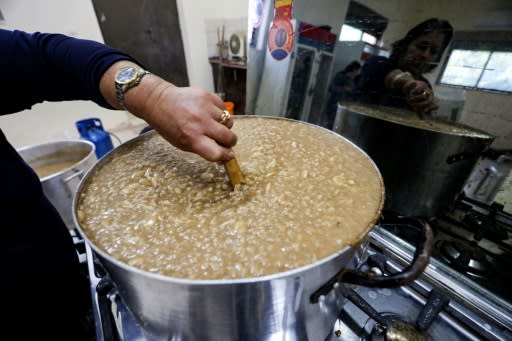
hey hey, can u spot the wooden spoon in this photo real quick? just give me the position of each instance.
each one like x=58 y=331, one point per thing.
x=232 y=167
x=234 y=172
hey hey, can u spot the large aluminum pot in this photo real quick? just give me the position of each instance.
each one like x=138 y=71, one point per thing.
x=425 y=163
x=294 y=305
x=60 y=186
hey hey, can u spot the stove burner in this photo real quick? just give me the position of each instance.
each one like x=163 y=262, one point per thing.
x=465 y=257
x=397 y=330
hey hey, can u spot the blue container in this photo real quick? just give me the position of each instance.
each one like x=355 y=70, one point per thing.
x=92 y=130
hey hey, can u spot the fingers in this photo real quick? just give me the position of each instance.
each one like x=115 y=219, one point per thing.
x=419 y=96
x=190 y=119
x=211 y=139
x=424 y=106
x=209 y=149
x=224 y=118
x=222 y=134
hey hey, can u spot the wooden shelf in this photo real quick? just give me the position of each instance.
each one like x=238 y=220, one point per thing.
x=228 y=63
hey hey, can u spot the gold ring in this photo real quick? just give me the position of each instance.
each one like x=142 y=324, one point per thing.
x=224 y=118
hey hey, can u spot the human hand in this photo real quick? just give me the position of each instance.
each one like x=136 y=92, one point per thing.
x=189 y=118
x=419 y=96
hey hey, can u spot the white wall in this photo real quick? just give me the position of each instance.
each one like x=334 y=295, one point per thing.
x=75 y=18
x=199 y=20
x=53 y=121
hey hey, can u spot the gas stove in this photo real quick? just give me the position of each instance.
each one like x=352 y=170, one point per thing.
x=437 y=306
x=463 y=294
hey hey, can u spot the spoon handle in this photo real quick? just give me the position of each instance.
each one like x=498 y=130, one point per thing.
x=234 y=172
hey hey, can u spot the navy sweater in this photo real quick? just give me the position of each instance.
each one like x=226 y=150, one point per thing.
x=39 y=266
x=370 y=86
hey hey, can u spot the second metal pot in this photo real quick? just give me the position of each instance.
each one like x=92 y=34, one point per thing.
x=59 y=187
x=424 y=169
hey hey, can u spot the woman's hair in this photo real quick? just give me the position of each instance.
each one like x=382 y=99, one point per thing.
x=400 y=47
x=355 y=65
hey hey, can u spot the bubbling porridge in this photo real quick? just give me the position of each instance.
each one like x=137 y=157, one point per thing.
x=309 y=193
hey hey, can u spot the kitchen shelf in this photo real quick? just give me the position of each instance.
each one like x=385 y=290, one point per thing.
x=229 y=63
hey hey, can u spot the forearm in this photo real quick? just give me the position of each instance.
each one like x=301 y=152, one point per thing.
x=397 y=81
x=137 y=100
x=186 y=117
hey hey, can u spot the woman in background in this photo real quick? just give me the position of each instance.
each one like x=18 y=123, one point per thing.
x=341 y=89
x=399 y=81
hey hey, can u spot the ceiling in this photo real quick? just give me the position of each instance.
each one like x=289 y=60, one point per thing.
x=366 y=19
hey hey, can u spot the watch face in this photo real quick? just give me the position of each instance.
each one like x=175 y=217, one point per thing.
x=126 y=75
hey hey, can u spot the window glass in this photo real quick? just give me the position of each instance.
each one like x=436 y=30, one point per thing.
x=498 y=73
x=465 y=67
x=480 y=69
x=349 y=33
x=369 y=39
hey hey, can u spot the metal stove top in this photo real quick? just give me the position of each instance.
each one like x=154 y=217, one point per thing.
x=474 y=241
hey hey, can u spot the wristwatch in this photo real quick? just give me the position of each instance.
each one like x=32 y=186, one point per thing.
x=127 y=78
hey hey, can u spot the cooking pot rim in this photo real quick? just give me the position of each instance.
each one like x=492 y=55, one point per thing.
x=248 y=280
x=208 y=282
x=63 y=142
x=358 y=108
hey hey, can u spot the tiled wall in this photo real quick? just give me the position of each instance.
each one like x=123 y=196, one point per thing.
x=490 y=112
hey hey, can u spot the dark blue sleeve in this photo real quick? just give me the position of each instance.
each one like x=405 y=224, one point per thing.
x=37 y=67
x=371 y=79
x=370 y=86
x=338 y=83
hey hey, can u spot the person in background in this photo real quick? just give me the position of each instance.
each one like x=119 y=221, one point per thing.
x=399 y=81
x=341 y=90
x=44 y=294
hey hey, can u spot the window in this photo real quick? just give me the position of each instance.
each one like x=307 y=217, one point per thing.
x=498 y=74
x=476 y=66
x=349 y=33
x=369 y=39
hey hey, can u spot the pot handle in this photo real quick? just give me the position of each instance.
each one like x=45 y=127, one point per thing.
x=463 y=156
x=370 y=279
x=492 y=154
x=77 y=173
